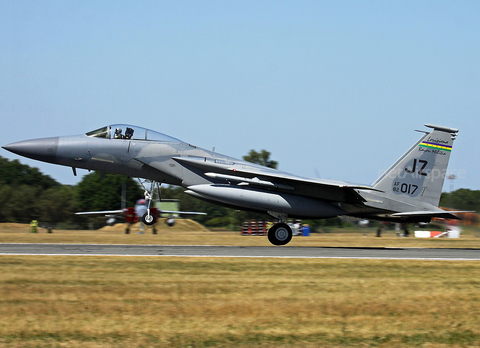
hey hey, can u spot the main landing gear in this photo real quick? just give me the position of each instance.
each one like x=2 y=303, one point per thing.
x=148 y=218
x=281 y=233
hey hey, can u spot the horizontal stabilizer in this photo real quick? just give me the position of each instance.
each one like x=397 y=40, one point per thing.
x=437 y=214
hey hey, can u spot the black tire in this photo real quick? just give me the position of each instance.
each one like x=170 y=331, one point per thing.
x=170 y=221
x=280 y=234
x=149 y=220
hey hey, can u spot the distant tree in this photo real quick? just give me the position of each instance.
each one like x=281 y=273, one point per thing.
x=262 y=158
x=21 y=187
x=19 y=203
x=14 y=173
x=57 y=204
x=94 y=193
x=463 y=199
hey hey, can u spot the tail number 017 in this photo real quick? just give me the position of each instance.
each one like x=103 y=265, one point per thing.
x=405 y=188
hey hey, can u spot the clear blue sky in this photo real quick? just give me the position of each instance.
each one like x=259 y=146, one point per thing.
x=331 y=88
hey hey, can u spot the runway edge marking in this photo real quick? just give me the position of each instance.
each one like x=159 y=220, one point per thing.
x=257 y=257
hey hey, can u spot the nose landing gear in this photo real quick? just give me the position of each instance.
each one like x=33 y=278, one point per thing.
x=147 y=218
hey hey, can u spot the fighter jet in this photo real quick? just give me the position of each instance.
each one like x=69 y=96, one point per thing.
x=409 y=191
x=132 y=215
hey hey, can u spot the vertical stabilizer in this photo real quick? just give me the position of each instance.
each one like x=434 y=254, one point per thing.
x=419 y=174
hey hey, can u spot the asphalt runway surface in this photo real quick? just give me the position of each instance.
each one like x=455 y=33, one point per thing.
x=240 y=251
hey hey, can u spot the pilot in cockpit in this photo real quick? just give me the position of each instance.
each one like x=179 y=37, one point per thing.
x=129 y=133
x=118 y=133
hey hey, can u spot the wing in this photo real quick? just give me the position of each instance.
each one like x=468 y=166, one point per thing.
x=258 y=176
x=180 y=212
x=247 y=174
x=104 y=212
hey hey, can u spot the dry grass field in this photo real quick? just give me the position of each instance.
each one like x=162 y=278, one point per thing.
x=188 y=232
x=80 y=301
x=63 y=301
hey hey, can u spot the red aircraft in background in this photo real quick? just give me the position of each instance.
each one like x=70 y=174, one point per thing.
x=132 y=215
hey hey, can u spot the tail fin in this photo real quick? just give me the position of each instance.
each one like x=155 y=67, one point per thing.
x=419 y=174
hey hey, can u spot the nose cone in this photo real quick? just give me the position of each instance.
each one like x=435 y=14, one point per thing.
x=44 y=149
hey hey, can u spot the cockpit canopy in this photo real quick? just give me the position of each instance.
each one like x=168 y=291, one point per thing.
x=125 y=131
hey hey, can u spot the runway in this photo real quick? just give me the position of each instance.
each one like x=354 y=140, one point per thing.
x=240 y=251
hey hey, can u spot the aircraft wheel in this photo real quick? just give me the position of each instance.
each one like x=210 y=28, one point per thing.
x=170 y=221
x=280 y=234
x=148 y=219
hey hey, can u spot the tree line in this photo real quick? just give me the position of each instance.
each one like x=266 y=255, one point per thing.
x=27 y=194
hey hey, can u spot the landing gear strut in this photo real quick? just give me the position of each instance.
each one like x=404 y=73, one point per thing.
x=149 y=219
